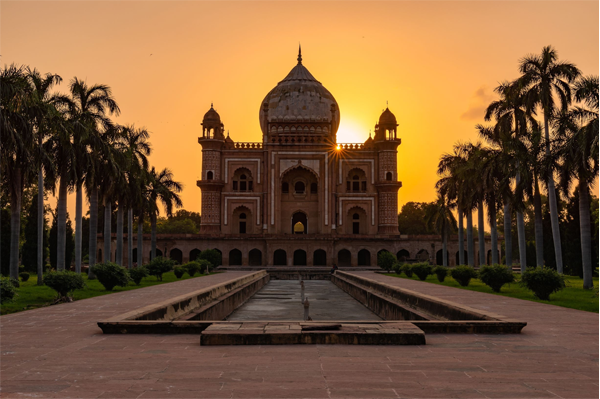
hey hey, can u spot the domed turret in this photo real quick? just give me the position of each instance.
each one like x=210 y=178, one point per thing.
x=387 y=118
x=299 y=104
x=386 y=128
x=212 y=127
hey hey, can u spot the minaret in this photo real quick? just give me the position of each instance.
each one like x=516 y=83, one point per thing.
x=386 y=143
x=212 y=142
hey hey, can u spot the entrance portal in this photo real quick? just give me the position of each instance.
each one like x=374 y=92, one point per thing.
x=299 y=223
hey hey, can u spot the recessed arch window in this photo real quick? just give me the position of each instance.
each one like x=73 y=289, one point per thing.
x=242 y=180
x=356 y=181
x=388 y=176
x=299 y=187
x=285 y=187
x=314 y=188
x=209 y=175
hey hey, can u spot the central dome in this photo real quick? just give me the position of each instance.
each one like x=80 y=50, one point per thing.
x=299 y=97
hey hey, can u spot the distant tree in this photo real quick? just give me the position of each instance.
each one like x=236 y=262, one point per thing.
x=182 y=214
x=29 y=251
x=69 y=247
x=411 y=219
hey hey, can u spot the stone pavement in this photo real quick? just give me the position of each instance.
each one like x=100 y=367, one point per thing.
x=60 y=352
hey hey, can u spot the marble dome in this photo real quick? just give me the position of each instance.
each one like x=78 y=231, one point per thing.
x=299 y=97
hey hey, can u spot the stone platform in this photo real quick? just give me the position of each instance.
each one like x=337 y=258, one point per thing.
x=289 y=333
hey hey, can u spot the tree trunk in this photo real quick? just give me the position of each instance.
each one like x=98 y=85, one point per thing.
x=481 y=233
x=470 y=243
x=507 y=233
x=130 y=238
x=539 y=233
x=140 y=242
x=16 y=194
x=78 y=227
x=585 y=230
x=521 y=235
x=445 y=247
x=93 y=229
x=553 y=207
x=119 y=254
x=40 y=229
x=107 y=230
x=153 y=238
x=461 y=240
x=494 y=231
x=61 y=223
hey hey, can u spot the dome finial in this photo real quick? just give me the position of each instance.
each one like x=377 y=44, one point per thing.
x=211 y=105
x=299 y=54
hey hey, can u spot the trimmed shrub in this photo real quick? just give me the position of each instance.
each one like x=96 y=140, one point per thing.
x=179 y=271
x=496 y=276
x=397 y=268
x=204 y=266
x=211 y=255
x=111 y=275
x=407 y=269
x=463 y=274
x=386 y=260
x=64 y=282
x=192 y=268
x=159 y=265
x=24 y=276
x=422 y=270
x=138 y=273
x=542 y=282
x=441 y=272
x=7 y=290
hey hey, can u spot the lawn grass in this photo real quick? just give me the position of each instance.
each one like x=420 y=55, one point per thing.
x=573 y=296
x=32 y=296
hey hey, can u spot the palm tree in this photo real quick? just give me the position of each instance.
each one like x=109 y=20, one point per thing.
x=88 y=107
x=440 y=218
x=545 y=78
x=135 y=147
x=44 y=115
x=161 y=188
x=18 y=149
x=579 y=152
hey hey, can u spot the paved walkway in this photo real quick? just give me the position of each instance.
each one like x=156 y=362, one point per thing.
x=60 y=352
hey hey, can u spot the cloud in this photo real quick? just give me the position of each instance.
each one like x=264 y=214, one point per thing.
x=482 y=97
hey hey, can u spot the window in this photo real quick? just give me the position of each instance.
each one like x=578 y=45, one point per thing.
x=355 y=224
x=313 y=188
x=235 y=185
x=356 y=181
x=209 y=175
x=355 y=184
x=363 y=186
x=242 y=223
x=299 y=187
x=285 y=187
x=388 y=176
x=242 y=181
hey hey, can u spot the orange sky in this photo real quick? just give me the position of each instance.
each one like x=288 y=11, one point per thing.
x=436 y=63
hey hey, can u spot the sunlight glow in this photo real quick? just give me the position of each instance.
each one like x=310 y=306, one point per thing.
x=351 y=131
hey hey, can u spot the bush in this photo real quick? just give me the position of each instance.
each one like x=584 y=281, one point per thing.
x=24 y=276
x=441 y=272
x=386 y=260
x=407 y=269
x=463 y=274
x=64 y=282
x=496 y=276
x=397 y=268
x=211 y=255
x=15 y=283
x=192 y=268
x=111 y=275
x=179 y=271
x=422 y=270
x=159 y=265
x=138 y=273
x=7 y=290
x=204 y=266
x=542 y=282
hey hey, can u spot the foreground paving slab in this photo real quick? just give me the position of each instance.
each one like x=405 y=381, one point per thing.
x=59 y=352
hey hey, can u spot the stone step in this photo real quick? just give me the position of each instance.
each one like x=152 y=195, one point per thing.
x=291 y=333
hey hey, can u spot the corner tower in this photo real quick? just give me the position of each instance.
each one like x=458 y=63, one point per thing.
x=386 y=143
x=211 y=184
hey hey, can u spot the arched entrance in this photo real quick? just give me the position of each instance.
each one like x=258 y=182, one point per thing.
x=299 y=223
x=320 y=258
x=280 y=258
x=194 y=253
x=344 y=258
x=439 y=257
x=299 y=257
x=255 y=257
x=465 y=257
x=235 y=257
x=364 y=257
x=423 y=255
x=402 y=255
x=176 y=255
